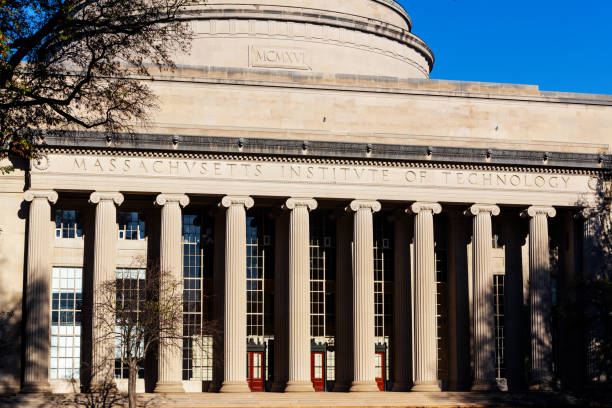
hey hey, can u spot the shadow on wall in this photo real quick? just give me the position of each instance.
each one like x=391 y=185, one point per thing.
x=10 y=333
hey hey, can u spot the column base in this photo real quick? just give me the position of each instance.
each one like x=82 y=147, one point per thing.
x=341 y=387
x=426 y=386
x=36 y=387
x=364 y=386
x=235 y=387
x=278 y=386
x=483 y=387
x=542 y=387
x=401 y=386
x=214 y=387
x=299 y=386
x=168 y=387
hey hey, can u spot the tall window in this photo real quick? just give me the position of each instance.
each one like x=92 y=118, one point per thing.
x=317 y=289
x=68 y=224
x=500 y=361
x=66 y=306
x=131 y=225
x=130 y=294
x=197 y=266
x=257 y=242
x=383 y=279
x=441 y=257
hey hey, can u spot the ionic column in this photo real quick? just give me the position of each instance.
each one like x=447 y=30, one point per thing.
x=234 y=333
x=170 y=361
x=104 y=265
x=38 y=292
x=402 y=310
x=483 y=317
x=425 y=344
x=540 y=298
x=364 y=377
x=299 y=295
x=344 y=303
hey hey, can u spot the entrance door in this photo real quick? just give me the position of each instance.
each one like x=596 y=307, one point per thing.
x=255 y=370
x=380 y=370
x=317 y=370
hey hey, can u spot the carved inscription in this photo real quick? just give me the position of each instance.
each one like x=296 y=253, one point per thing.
x=321 y=174
x=268 y=57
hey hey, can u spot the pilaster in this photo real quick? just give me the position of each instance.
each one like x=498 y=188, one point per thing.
x=170 y=361
x=425 y=350
x=364 y=377
x=234 y=333
x=38 y=292
x=299 y=294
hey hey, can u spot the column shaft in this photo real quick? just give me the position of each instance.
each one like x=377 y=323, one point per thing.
x=402 y=311
x=364 y=377
x=170 y=361
x=104 y=265
x=299 y=295
x=38 y=292
x=540 y=298
x=426 y=356
x=234 y=334
x=484 y=323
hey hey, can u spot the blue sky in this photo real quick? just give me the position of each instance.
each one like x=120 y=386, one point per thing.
x=559 y=45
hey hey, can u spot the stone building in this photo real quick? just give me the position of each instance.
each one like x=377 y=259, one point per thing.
x=351 y=223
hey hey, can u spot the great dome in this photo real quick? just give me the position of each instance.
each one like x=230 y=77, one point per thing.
x=357 y=37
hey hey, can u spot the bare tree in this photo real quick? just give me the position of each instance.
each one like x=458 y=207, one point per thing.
x=79 y=64
x=137 y=313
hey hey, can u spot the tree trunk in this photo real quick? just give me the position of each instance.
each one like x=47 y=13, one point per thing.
x=132 y=403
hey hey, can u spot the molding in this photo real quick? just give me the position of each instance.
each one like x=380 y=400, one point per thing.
x=538 y=210
x=161 y=145
x=98 y=196
x=245 y=201
x=418 y=207
x=163 y=199
x=371 y=205
x=310 y=203
x=49 y=195
x=483 y=208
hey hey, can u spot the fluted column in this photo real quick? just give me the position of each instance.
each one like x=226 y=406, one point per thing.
x=344 y=303
x=540 y=298
x=299 y=294
x=402 y=310
x=170 y=360
x=425 y=343
x=104 y=265
x=234 y=333
x=364 y=377
x=484 y=322
x=38 y=292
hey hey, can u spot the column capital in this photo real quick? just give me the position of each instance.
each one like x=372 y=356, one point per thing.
x=163 y=199
x=419 y=207
x=50 y=195
x=245 y=201
x=372 y=205
x=98 y=196
x=294 y=202
x=539 y=210
x=483 y=208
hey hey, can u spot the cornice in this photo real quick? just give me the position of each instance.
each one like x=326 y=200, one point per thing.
x=319 y=152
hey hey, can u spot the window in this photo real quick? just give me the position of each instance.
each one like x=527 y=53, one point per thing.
x=131 y=226
x=66 y=306
x=500 y=361
x=130 y=295
x=68 y=224
x=255 y=279
x=317 y=289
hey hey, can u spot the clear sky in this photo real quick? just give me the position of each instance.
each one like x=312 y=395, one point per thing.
x=559 y=45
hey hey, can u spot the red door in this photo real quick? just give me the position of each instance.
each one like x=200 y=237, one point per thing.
x=317 y=370
x=255 y=370
x=380 y=371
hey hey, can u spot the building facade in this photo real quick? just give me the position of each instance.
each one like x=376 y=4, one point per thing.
x=350 y=224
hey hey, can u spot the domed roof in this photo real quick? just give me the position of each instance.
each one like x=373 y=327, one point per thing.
x=358 y=37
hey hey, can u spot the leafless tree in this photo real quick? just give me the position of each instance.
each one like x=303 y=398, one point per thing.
x=79 y=64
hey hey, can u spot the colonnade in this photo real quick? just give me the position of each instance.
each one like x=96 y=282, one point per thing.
x=355 y=335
